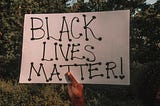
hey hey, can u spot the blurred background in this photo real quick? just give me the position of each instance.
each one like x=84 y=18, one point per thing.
x=144 y=54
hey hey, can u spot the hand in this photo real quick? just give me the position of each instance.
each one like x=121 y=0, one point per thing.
x=75 y=91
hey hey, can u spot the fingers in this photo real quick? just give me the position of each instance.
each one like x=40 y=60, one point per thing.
x=71 y=78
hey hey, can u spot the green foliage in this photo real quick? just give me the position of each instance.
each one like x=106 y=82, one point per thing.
x=144 y=48
x=12 y=16
x=145 y=43
x=14 y=94
x=147 y=81
x=144 y=31
x=145 y=20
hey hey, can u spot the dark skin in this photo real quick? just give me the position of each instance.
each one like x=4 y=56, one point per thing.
x=75 y=91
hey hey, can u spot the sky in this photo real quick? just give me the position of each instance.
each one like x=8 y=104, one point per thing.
x=71 y=2
x=151 y=1
x=147 y=1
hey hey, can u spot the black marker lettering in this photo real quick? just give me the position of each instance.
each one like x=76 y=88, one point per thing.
x=37 y=28
x=94 y=69
x=110 y=67
x=57 y=73
x=94 y=57
x=55 y=47
x=122 y=76
x=86 y=27
x=44 y=50
x=81 y=68
x=73 y=51
x=48 y=36
x=62 y=30
x=77 y=19
x=37 y=72
x=65 y=56
x=66 y=66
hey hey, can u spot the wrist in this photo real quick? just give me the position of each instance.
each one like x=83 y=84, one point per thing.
x=78 y=101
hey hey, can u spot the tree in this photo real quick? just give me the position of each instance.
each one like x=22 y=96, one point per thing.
x=144 y=36
x=11 y=32
x=145 y=33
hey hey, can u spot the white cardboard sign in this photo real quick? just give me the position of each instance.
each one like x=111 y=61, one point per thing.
x=93 y=46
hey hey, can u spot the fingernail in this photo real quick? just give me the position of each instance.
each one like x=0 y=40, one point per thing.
x=68 y=73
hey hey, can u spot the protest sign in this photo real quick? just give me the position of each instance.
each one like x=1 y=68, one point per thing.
x=93 y=46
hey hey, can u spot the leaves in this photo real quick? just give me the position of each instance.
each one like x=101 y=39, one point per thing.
x=144 y=48
x=13 y=93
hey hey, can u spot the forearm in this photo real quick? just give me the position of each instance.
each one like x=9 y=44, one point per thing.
x=78 y=102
